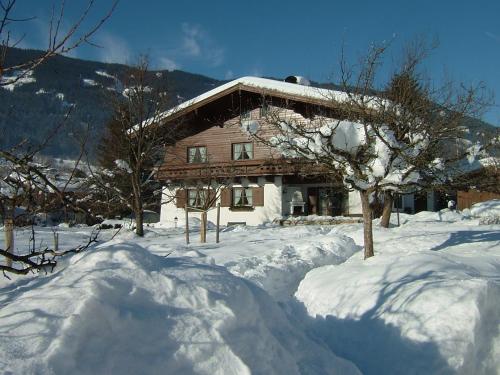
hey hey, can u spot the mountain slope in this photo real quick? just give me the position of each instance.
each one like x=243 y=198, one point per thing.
x=32 y=108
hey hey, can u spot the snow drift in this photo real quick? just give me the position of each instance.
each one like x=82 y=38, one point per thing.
x=121 y=310
x=427 y=303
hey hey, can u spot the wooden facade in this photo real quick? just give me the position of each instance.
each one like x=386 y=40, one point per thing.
x=465 y=199
x=219 y=138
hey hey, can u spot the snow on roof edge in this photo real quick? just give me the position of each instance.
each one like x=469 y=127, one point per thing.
x=262 y=83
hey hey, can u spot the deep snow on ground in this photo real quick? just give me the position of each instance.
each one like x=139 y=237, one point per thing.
x=427 y=303
x=121 y=310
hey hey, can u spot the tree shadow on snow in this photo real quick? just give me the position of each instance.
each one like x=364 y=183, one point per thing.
x=469 y=237
x=377 y=347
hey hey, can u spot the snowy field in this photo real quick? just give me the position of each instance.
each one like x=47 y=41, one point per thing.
x=267 y=300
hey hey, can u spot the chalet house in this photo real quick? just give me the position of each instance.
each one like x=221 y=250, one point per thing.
x=250 y=180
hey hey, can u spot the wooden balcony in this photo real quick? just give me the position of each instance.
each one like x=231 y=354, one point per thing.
x=245 y=168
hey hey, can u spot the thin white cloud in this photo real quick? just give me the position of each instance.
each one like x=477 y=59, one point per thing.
x=493 y=36
x=256 y=71
x=198 y=44
x=167 y=64
x=192 y=36
x=229 y=75
x=113 y=49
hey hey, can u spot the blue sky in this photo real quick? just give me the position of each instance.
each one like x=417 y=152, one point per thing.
x=228 y=39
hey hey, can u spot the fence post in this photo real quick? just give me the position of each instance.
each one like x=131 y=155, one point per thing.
x=203 y=227
x=218 y=223
x=56 y=242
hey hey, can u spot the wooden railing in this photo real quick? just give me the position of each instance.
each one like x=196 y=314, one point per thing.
x=240 y=169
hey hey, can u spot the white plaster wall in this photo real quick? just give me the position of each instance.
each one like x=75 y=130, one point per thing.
x=270 y=211
x=355 y=203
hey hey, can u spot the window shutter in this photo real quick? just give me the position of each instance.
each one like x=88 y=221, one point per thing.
x=180 y=196
x=258 y=196
x=225 y=197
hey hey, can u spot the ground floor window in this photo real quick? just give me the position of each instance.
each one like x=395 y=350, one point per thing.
x=197 y=197
x=242 y=197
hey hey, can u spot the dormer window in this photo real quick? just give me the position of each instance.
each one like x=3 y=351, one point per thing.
x=197 y=154
x=243 y=151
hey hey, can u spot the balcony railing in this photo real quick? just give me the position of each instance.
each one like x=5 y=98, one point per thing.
x=240 y=169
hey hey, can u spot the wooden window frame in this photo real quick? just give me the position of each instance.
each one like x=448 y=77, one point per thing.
x=243 y=189
x=199 y=193
x=196 y=147
x=242 y=143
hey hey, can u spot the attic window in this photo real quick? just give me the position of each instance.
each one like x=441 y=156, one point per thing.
x=197 y=154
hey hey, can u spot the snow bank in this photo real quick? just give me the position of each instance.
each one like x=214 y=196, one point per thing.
x=280 y=271
x=427 y=303
x=274 y=258
x=121 y=310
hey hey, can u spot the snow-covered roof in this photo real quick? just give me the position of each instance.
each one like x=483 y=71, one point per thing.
x=257 y=84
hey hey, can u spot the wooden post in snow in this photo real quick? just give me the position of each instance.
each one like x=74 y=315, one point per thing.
x=9 y=238
x=218 y=223
x=187 y=224
x=203 y=227
x=56 y=241
x=397 y=206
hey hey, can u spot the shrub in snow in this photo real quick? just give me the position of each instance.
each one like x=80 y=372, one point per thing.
x=489 y=220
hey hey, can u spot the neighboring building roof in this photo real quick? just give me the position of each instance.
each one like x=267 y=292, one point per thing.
x=259 y=85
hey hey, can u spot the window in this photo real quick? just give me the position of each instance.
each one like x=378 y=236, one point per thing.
x=242 y=197
x=197 y=154
x=242 y=151
x=197 y=197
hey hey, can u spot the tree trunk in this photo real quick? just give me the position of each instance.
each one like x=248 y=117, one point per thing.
x=203 y=228
x=9 y=238
x=386 y=213
x=139 y=223
x=367 y=224
x=138 y=208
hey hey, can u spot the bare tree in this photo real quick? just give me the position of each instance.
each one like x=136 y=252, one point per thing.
x=22 y=179
x=59 y=41
x=382 y=142
x=201 y=195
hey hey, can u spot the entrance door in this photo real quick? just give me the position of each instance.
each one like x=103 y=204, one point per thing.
x=330 y=202
x=420 y=202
